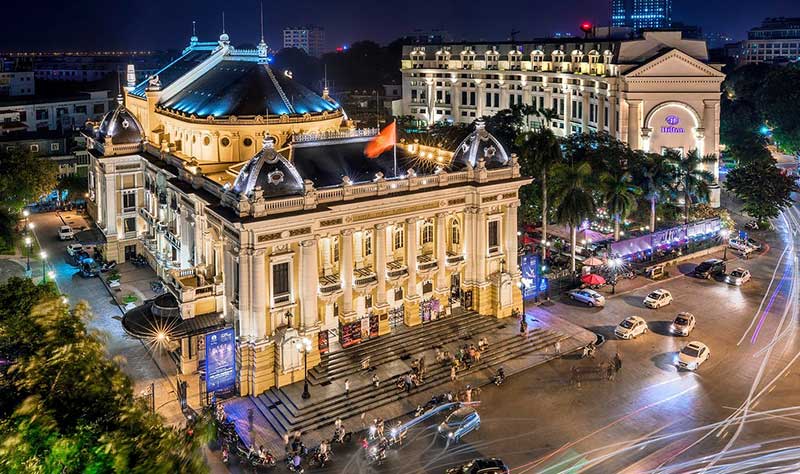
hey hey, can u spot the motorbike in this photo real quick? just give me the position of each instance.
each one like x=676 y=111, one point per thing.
x=318 y=459
x=291 y=467
x=157 y=286
x=376 y=455
x=108 y=266
x=588 y=351
x=499 y=377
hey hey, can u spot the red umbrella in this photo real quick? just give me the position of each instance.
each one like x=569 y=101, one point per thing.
x=593 y=279
x=528 y=240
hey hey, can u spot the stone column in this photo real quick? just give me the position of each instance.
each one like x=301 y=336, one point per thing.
x=601 y=111
x=111 y=205
x=346 y=269
x=467 y=243
x=481 y=102
x=567 y=111
x=481 y=246
x=455 y=100
x=381 y=306
x=634 y=124
x=510 y=233
x=245 y=304
x=585 y=93
x=310 y=281
x=612 y=114
x=411 y=311
x=441 y=252
x=258 y=282
x=711 y=145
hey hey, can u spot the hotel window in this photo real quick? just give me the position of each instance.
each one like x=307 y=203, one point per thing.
x=455 y=233
x=129 y=201
x=398 y=239
x=494 y=236
x=130 y=224
x=427 y=234
x=280 y=282
x=368 y=245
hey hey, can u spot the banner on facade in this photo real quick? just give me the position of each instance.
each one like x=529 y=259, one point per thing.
x=220 y=360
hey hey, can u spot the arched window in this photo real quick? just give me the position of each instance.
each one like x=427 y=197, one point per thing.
x=427 y=233
x=455 y=232
x=398 y=239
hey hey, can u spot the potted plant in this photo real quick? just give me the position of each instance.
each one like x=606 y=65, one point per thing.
x=129 y=301
x=114 y=279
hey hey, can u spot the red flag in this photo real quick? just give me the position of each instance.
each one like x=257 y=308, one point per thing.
x=382 y=141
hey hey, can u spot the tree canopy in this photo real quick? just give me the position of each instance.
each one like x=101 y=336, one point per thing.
x=66 y=407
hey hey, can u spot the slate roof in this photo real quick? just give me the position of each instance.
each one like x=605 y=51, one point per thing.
x=174 y=70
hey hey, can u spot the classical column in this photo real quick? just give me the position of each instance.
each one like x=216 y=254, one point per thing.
x=111 y=205
x=634 y=124
x=600 y=120
x=585 y=93
x=481 y=246
x=567 y=111
x=481 y=99
x=411 y=256
x=612 y=114
x=711 y=144
x=346 y=269
x=380 y=264
x=469 y=245
x=258 y=283
x=441 y=251
x=510 y=219
x=455 y=100
x=245 y=290
x=309 y=273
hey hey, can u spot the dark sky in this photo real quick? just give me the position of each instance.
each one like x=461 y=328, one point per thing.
x=163 y=24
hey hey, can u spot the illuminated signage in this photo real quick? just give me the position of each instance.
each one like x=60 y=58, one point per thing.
x=671 y=127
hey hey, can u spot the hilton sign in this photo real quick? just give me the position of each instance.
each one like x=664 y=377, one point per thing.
x=671 y=127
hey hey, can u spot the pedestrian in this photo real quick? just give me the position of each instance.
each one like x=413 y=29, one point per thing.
x=346 y=387
x=365 y=364
x=468 y=394
x=523 y=326
x=453 y=373
x=617 y=362
x=338 y=423
x=376 y=381
x=558 y=348
x=286 y=441
x=363 y=420
x=250 y=416
x=609 y=371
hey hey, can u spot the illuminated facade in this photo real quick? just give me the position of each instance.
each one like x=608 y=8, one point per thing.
x=654 y=93
x=641 y=14
x=777 y=40
x=301 y=235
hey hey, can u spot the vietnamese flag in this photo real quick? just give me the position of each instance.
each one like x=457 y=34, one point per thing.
x=382 y=141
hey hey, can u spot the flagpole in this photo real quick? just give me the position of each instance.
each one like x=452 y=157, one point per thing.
x=395 y=148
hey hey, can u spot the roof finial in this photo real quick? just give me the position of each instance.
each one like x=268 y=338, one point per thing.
x=224 y=39
x=223 y=22
x=194 y=28
x=263 y=50
x=262 y=21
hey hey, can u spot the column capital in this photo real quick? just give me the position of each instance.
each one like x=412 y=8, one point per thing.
x=380 y=225
x=442 y=215
x=308 y=243
x=512 y=205
x=347 y=232
x=412 y=220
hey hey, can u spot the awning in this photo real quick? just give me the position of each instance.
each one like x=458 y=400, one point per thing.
x=141 y=322
x=91 y=236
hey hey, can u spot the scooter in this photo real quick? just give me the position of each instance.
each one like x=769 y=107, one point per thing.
x=341 y=436
x=318 y=459
x=499 y=377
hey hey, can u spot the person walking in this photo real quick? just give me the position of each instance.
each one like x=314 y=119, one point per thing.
x=347 y=388
x=376 y=381
x=558 y=348
x=286 y=441
x=523 y=325
x=617 y=362
x=453 y=373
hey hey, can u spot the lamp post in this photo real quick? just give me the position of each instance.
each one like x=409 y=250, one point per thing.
x=26 y=213
x=29 y=244
x=43 y=254
x=614 y=264
x=304 y=347
x=725 y=233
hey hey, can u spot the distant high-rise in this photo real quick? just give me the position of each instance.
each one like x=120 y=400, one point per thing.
x=777 y=40
x=311 y=39
x=641 y=14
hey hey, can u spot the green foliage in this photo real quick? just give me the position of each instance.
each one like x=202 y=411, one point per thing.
x=778 y=99
x=691 y=180
x=66 y=406
x=619 y=194
x=24 y=178
x=764 y=189
x=604 y=152
x=75 y=186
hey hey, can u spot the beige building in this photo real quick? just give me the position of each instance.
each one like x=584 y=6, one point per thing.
x=267 y=216
x=654 y=93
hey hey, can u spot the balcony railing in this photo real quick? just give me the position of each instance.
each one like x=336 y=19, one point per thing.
x=454 y=259
x=330 y=284
x=364 y=276
x=426 y=262
x=396 y=269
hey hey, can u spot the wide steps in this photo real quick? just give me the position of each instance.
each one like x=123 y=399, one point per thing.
x=281 y=411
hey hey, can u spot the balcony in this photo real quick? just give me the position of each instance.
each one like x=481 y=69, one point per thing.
x=396 y=270
x=454 y=259
x=196 y=292
x=146 y=215
x=173 y=239
x=364 y=276
x=329 y=284
x=426 y=263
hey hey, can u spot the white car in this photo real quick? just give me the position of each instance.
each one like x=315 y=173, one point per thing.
x=738 y=277
x=657 y=299
x=590 y=297
x=73 y=249
x=692 y=355
x=739 y=244
x=65 y=233
x=683 y=324
x=631 y=327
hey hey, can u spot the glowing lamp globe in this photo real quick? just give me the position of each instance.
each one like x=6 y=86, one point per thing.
x=586 y=27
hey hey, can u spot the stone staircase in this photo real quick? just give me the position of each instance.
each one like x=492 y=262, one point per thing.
x=283 y=414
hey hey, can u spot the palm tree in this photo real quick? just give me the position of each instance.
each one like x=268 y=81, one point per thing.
x=654 y=177
x=620 y=195
x=547 y=115
x=539 y=152
x=690 y=178
x=575 y=201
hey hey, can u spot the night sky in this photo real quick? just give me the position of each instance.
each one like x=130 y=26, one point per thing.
x=124 y=25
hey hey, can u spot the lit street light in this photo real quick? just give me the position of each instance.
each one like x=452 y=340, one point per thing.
x=725 y=234
x=43 y=254
x=614 y=264
x=304 y=346
x=29 y=244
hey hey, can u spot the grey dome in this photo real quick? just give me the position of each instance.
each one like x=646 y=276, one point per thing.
x=269 y=170
x=121 y=126
x=480 y=144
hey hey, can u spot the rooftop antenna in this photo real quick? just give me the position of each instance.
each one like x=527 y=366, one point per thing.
x=194 y=29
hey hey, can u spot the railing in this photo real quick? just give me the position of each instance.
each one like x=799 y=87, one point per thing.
x=174 y=240
x=396 y=269
x=330 y=283
x=282 y=204
x=146 y=215
x=455 y=259
x=426 y=262
x=334 y=135
x=281 y=299
x=366 y=277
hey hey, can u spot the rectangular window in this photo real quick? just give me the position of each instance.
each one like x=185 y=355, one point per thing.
x=368 y=301
x=54 y=147
x=368 y=245
x=472 y=98
x=42 y=114
x=129 y=201
x=130 y=224
x=398 y=294
x=98 y=108
x=494 y=237
x=280 y=279
x=463 y=97
x=488 y=99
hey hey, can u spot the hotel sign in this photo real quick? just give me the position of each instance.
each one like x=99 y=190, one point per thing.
x=672 y=125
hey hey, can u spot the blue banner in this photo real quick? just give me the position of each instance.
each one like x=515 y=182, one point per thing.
x=220 y=360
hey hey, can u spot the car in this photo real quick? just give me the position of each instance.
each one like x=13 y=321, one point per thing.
x=739 y=276
x=631 y=328
x=683 y=324
x=481 y=466
x=754 y=244
x=710 y=268
x=585 y=295
x=65 y=233
x=657 y=299
x=74 y=249
x=692 y=355
x=89 y=268
x=739 y=244
x=459 y=423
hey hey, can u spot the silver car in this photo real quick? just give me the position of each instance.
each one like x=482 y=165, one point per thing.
x=683 y=324
x=585 y=295
x=738 y=277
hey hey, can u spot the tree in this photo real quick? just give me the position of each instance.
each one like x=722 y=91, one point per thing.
x=778 y=99
x=605 y=153
x=763 y=188
x=652 y=174
x=539 y=151
x=619 y=194
x=547 y=115
x=691 y=180
x=73 y=185
x=67 y=407
x=506 y=125
x=574 y=201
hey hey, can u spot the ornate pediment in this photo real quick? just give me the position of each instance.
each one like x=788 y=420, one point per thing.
x=674 y=63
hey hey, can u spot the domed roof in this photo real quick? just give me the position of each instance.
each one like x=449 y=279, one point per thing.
x=480 y=144
x=121 y=126
x=269 y=170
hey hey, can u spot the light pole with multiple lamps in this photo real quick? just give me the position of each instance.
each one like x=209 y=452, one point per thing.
x=29 y=244
x=43 y=254
x=304 y=347
x=725 y=233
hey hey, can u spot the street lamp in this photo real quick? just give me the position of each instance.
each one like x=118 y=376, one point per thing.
x=29 y=244
x=614 y=264
x=31 y=226
x=725 y=233
x=304 y=347
x=43 y=254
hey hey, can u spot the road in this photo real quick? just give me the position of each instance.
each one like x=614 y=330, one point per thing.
x=737 y=413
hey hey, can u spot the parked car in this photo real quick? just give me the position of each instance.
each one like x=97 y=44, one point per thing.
x=692 y=355
x=481 y=466
x=755 y=244
x=657 y=299
x=460 y=423
x=89 y=268
x=739 y=244
x=65 y=233
x=739 y=276
x=710 y=268
x=73 y=249
x=585 y=295
x=683 y=324
x=631 y=328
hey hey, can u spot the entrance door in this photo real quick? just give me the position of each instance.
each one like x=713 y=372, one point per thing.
x=130 y=252
x=396 y=316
